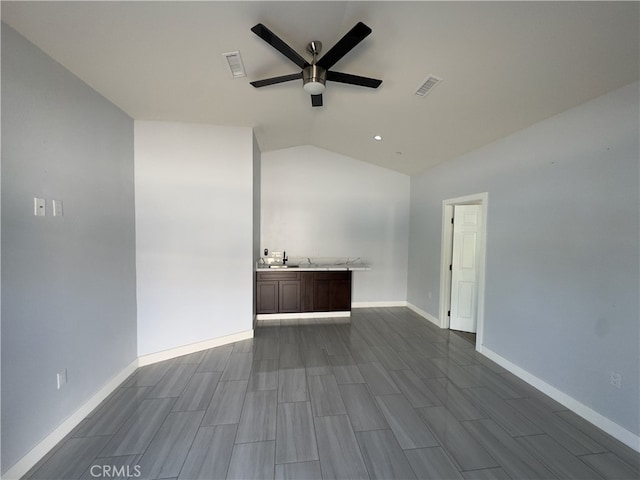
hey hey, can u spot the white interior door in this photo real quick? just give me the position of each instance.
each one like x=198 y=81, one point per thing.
x=464 y=267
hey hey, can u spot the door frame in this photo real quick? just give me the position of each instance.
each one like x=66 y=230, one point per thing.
x=446 y=252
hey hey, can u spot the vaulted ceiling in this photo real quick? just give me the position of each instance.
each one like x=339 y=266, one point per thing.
x=504 y=65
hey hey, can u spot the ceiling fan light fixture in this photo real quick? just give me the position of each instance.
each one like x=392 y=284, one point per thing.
x=313 y=79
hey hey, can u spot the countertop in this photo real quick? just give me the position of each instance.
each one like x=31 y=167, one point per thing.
x=314 y=267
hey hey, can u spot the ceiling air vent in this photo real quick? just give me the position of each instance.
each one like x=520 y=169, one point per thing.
x=234 y=62
x=429 y=84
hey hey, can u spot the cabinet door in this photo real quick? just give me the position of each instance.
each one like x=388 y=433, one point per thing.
x=289 y=301
x=306 y=291
x=321 y=294
x=340 y=295
x=267 y=297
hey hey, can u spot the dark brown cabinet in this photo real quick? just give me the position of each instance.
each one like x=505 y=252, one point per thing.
x=295 y=292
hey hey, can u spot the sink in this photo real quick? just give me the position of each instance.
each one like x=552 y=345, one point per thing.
x=283 y=266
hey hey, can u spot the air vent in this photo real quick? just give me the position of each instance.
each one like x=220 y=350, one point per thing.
x=429 y=84
x=234 y=62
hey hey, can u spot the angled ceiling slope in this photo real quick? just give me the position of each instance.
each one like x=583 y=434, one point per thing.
x=504 y=65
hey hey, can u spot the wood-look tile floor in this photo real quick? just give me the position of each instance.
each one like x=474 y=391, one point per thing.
x=384 y=396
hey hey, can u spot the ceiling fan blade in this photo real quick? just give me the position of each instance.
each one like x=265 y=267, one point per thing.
x=353 y=79
x=316 y=100
x=277 y=43
x=274 y=80
x=344 y=45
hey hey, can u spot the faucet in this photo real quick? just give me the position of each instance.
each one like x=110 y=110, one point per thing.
x=284 y=257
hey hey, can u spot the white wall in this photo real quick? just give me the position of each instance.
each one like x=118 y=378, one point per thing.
x=562 y=249
x=194 y=233
x=68 y=283
x=319 y=203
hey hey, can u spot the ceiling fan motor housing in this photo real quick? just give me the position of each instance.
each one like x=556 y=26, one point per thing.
x=313 y=79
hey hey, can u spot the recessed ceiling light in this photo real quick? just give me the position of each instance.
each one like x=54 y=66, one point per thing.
x=377 y=138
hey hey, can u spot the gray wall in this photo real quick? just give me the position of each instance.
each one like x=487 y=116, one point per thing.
x=68 y=283
x=317 y=203
x=562 y=249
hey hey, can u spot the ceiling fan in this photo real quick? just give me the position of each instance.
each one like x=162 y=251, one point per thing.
x=315 y=74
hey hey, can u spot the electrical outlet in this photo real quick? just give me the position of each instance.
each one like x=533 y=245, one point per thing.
x=39 y=207
x=615 y=379
x=61 y=378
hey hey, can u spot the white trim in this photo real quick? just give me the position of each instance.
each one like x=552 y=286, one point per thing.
x=287 y=316
x=194 y=347
x=625 y=436
x=26 y=463
x=445 y=254
x=424 y=314
x=394 y=303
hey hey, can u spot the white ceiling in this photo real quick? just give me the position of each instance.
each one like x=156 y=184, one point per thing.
x=505 y=65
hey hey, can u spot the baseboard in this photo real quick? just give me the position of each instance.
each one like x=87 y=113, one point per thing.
x=288 y=316
x=26 y=463
x=424 y=314
x=193 y=348
x=620 y=433
x=394 y=303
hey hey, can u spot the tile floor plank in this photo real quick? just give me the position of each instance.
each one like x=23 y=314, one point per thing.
x=258 y=418
x=112 y=415
x=383 y=456
x=174 y=381
x=516 y=460
x=432 y=464
x=299 y=471
x=295 y=438
x=238 y=367
x=503 y=413
x=167 y=452
x=325 y=396
x=210 y=453
x=557 y=459
x=467 y=452
x=362 y=409
x=226 y=404
x=610 y=466
x=405 y=423
x=378 y=379
x=292 y=385
x=198 y=393
x=72 y=459
x=215 y=359
x=252 y=461
x=340 y=456
x=416 y=391
x=264 y=375
x=564 y=433
x=135 y=436
x=346 y=370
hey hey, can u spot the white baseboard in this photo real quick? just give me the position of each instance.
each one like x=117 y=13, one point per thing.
x=424 y=314
x=625 y=436
x=288 y=316
x=26 y=463
x=193 y=348
x=395 y=303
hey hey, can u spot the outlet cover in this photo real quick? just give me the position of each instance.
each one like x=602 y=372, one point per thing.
x=616 y=380
x=39 y=207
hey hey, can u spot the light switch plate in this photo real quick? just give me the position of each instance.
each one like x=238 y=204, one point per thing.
x=57 y=208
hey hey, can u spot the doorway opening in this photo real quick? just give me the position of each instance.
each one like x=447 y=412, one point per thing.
x=464 y=236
